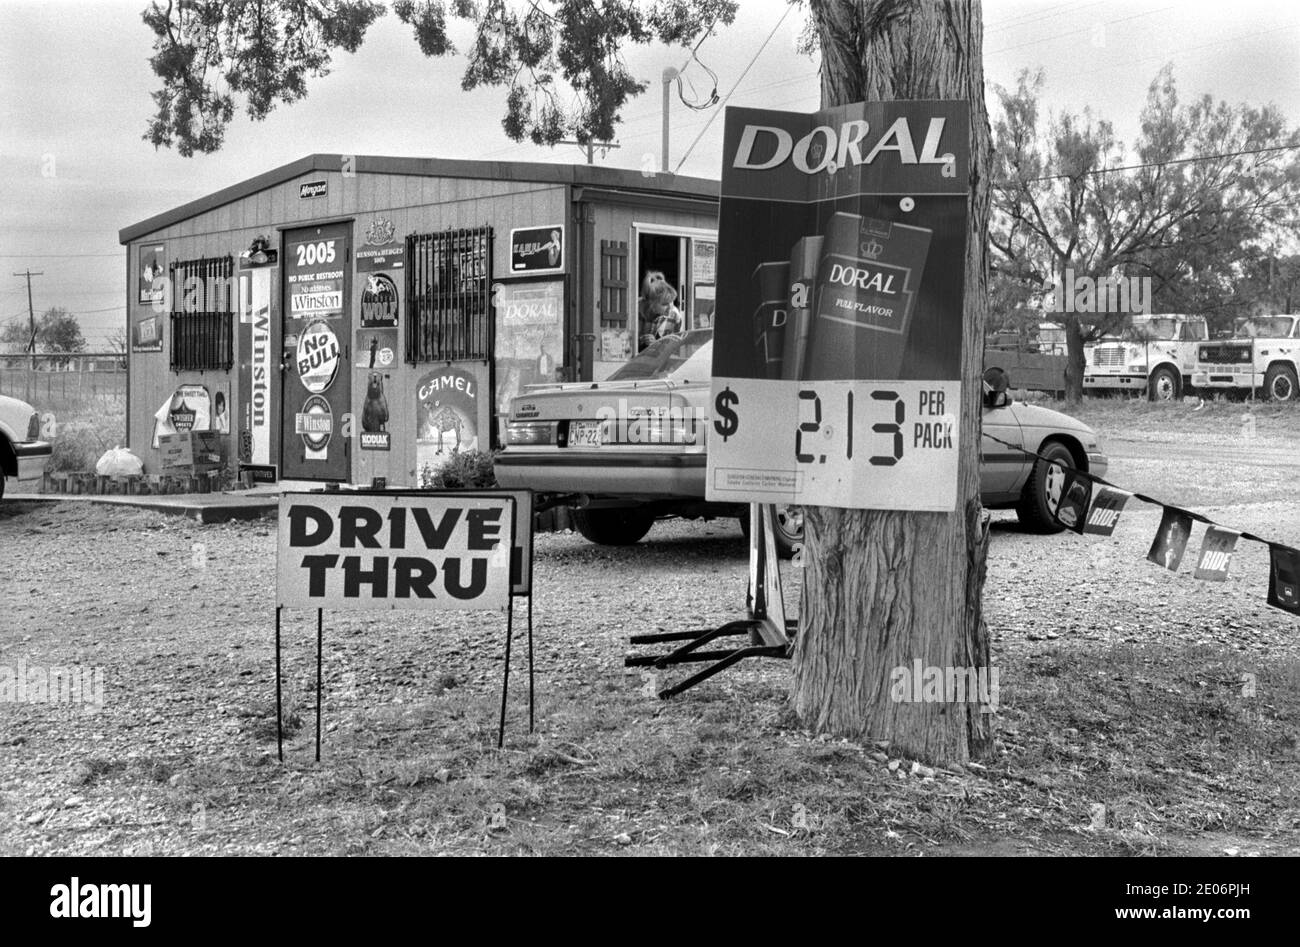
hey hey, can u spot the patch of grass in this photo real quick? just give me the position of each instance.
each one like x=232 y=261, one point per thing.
x=1220 y=418
x=93 y=769
x=1162 y=739
x=82 y=437
x=1179 y=739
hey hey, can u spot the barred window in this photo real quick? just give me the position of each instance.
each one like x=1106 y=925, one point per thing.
x=203 y=314
x=448 y=295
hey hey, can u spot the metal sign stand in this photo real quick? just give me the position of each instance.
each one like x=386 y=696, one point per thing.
x=510 y=613
x=770 y=633
x=505 y=676
x=320 y=685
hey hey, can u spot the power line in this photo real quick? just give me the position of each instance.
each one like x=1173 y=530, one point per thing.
x=718 y=110
x=1189 y=49
x=54 y=256
x=1161 y=164
x=1088 y=29
x=1042 y=13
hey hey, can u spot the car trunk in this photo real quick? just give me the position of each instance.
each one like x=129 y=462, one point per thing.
x=620 y=413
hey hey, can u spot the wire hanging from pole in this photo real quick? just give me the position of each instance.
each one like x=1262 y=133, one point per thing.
x=718 y=111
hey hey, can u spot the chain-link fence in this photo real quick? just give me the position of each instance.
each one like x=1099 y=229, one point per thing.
x=56 y=382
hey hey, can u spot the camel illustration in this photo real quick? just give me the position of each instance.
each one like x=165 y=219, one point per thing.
x=437 y=421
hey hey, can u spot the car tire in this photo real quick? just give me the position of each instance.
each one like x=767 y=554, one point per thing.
x=615 y=527
x=1165 y=384
x=1033 y=510
x=1280 y=383
x=787 y=535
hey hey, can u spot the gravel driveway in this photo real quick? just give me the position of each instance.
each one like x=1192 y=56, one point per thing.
x=179 y=618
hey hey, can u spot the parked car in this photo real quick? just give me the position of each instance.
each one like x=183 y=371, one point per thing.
x=595 y=446
x=23 y=455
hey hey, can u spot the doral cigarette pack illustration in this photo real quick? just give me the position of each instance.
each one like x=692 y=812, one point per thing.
x=803 y=280
x=866 y=285
x=837 y=363
x=771 y=316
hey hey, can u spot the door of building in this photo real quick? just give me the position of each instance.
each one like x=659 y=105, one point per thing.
x=316 y=382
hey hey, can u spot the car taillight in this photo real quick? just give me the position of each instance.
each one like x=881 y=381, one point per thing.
x=530 y=432
x=34 y=427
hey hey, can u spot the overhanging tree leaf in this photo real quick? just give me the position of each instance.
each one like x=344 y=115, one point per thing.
x=561 y=60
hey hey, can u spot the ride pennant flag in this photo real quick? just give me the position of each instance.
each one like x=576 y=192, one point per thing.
x=1284 y=578
x=837 y=365
x=1171 y=539
x=1107 y=504
x=1072 y=509
x=369 y=551
x=1216 y=553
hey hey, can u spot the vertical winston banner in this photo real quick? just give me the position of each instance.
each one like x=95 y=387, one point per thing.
x=255 y=370
x=837 y=363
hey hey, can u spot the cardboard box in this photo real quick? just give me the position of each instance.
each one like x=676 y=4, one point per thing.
x=190 y=450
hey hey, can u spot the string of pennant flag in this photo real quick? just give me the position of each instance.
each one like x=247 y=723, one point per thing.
x=1086 y=510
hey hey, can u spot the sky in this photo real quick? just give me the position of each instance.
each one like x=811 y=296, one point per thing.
x=75 y=100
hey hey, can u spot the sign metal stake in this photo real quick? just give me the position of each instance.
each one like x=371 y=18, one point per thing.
x=530 y=662
x=320 y=624
x=505 y=676
x=279 y=712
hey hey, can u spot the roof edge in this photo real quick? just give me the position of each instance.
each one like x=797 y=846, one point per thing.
x=580 y=175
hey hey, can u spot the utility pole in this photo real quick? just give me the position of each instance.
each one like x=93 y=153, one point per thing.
x=591 y=146
x=669 y=75
x=31 y=326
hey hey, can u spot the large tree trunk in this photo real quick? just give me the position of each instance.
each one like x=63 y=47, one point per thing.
x=883 y=589
x=1074 y=364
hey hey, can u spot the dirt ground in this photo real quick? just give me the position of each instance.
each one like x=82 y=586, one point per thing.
x=1140 y=711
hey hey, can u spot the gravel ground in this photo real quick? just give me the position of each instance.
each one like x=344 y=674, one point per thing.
x=180 y=756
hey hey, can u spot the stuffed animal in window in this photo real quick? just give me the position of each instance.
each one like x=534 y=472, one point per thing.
x=657 y=306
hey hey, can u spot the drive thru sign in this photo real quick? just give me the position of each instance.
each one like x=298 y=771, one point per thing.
x=371 y=551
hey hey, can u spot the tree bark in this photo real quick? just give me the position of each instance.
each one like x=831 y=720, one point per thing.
x=1074 y=365
x=883 y=589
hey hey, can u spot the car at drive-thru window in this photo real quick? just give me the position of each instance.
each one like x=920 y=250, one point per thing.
x=23 y=455
x=629 y=450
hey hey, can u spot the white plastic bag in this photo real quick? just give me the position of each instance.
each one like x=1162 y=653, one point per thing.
x=119 y=462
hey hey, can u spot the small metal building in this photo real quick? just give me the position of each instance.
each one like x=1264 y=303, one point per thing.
x=344 y=318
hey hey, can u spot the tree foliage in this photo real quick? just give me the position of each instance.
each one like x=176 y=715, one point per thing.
x=560 y=60
x=57 y=331
x=1196 y=194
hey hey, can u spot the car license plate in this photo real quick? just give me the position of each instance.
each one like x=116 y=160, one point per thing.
x=585 y=433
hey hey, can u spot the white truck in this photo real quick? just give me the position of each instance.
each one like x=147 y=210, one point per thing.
x=1155 y=354
x=1264 y=353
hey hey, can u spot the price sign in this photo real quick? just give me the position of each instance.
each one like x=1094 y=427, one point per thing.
x=837 y=364
x=847 y=443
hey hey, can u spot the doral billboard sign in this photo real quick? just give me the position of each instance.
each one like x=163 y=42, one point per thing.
x=837 y=365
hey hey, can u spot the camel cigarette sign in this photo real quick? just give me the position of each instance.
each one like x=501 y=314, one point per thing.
x=368 y=551
x=837 y=363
